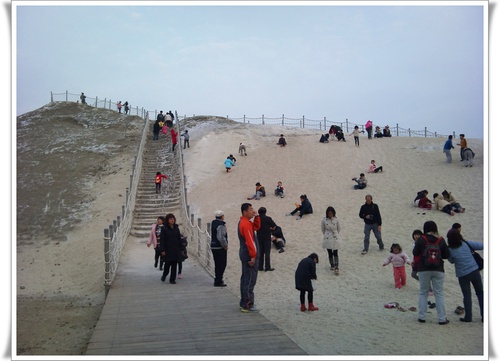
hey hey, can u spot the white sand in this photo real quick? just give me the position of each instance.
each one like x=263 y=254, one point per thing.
x=351 y=319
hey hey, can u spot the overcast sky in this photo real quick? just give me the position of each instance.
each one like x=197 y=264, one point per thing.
x=418 y=66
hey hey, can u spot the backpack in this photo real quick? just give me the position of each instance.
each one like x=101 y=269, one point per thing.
x=432 y=253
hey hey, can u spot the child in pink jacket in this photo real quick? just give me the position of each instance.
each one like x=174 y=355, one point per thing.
x=398 y=258
x=154 y=239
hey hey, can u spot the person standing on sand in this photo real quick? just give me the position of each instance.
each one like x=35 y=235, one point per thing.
x=369 y=128
x=119 y=106
x=82 y=98
x=264 y=237
x=249 y=251
x=305 y=272
x=355 y=132
x=448 y=146
x=370 y=214
x=331 y=238
x=219 y=247
x=186 y=138
x=463 y=145
x=466 y=270
x=431 y=273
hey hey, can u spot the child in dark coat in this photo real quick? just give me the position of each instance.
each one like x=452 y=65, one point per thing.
x=306 y=271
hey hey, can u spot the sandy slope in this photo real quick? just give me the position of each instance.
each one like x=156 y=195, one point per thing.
x=352 y=319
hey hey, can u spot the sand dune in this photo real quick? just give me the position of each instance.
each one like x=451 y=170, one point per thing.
x=352 y=319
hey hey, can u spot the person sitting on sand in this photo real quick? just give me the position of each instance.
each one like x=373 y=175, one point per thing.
x=378 y=132
x=303 y=208
x=422 y=201
x=324 y=138
x=279 y=190
x=373 y=168
x=362 y=182
x=278 y=239
x=281 y=141
x=387 y=131
x=260 y=191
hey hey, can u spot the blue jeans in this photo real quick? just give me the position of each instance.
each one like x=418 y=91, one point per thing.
x=372 y=227
x=437 y=280
x=475 y=278
x=448 y=155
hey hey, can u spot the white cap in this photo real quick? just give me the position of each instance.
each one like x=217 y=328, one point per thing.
x=218 y=214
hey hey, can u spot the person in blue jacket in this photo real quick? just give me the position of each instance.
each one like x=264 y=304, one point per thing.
x=466 y=269
x=229 y=163
x=448 y=146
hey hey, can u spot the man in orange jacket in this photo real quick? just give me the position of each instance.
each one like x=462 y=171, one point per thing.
x=249 y=256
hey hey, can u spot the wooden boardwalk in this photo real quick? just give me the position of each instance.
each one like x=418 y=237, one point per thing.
x=144 y=316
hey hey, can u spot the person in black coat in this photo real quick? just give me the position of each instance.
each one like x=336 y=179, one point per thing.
x=306 y=271
x=156 y=130
x=170 y=247
x=267 y=225
x=304 y=207
x=370 y=214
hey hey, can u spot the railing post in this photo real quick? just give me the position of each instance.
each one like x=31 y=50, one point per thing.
x=262 y=119
x=397 y=129
x=303 y=121
x=282 y=120
x=324 y=120
x=106 y=261
x=208 y=245
x=66 y=95
x=346 y=125
x=244 y=118
x=96 y=101
x=199 y=235
x=126 y=196
x=409 y=132
x=425 y=132
x=51 y=97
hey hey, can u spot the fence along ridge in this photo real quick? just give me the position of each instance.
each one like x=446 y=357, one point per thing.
x=303 y=122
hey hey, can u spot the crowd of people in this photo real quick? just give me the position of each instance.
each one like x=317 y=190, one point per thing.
x=257 y=232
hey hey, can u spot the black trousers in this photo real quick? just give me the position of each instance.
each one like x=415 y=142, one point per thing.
x=220 y=261
x=265 y=254
x=170 y=267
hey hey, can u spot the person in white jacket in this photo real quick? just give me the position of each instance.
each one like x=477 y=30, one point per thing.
x=331 y=238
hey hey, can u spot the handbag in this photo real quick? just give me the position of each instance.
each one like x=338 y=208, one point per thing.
x=477 y=257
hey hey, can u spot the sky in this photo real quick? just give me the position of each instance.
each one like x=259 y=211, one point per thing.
x=417 y=66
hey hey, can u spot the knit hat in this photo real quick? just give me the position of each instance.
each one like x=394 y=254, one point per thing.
x=219 y=214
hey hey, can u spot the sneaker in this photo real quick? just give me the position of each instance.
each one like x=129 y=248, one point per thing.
x=220 y=285
x=249 y=310
x=288 y=214
x=381 y=249
x=298 y=217
x=445 y=322
x=364 y=252
x=281 y=250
